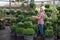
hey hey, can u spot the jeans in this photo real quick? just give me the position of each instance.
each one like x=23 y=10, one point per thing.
x=41 y=28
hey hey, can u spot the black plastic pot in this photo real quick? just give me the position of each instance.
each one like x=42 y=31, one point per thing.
x=49 y=38
x=2 y=27
x=13 y=34
x=30 y=37
x=20 y=36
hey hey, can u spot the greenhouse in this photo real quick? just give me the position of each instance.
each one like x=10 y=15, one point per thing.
x=29 y=19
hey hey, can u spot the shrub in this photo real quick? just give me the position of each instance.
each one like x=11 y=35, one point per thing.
x=58 y=7
x=48 y=10
x=13 y=20
x=58 y=16
x=48 y=14
x=35 y=26
x=13 y=28
x=28 y=31
x=20 y=24
x=47 y=5
x=28 y=19
x=19 y=12
x=19 y=30
x=58 y=29
x=32 y=6
x=20 y=18
x=28 y=24
x=31 y=13
x=12 y=11
x=48 y=32
x=34 y=20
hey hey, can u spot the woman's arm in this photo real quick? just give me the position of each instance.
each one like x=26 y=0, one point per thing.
x=37 y=17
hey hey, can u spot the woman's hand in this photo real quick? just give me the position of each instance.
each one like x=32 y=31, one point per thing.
x=33 y=16
x=36 y=17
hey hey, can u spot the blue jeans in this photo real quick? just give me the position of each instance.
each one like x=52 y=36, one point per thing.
x=41 y=28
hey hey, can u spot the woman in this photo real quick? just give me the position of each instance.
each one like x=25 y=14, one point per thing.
x=40 y=18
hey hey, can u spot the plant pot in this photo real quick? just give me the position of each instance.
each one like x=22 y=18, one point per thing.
x=49 y=38
x=2 y=27
x=13 y=34
x=30 y=37
x=58 y=35
x=20 y=36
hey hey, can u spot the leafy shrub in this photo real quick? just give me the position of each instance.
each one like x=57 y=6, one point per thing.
x=28 y=24
x=19 y=12
x=32 y=6
x=58 y=29
x=58 y=21
x=47 y=5
x=20 y=24
x=35 y=26
x=48 y=10
x=28 y=31
x=20 y=18
x=28 y=19
x=48 y=32
x=13 y=20
x=58 y=16
x=31 y=13
x=13 y=28
x=58 y=8
x=34 y=20
x=19 y=30
x=48 y=14
x=12 y=11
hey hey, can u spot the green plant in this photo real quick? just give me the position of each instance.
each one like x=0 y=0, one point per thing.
x=31 y=13
x=48 y=14
x=28 y=19
x=20 y=24
x=13 y=28
x=48 y=32
x=28 y=24
x=12 y=11
x=13 y=20
x=35 y=26
x=28 y=31
x=48 y=10
x=58 y=29
x=19 y=12
x=20 y=18
x=32 y=6
x=19 y=30
x=47 y=5
x=58 y=8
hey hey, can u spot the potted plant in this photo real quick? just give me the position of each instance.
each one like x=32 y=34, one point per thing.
x=20 y=18
x=19 y=31
x=13 y=30
x=58 y=31
x=49 y=34
x=29 y=33
x=13 y=20
x=2 y=24
x=28 y=24
x=47 y=5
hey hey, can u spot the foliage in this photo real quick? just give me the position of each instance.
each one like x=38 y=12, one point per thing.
x=28 y=31
x=13 y=20
x=32 y=6
x=47 y=5
x=12 y=11
x=20 y=30
x=48 y=32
